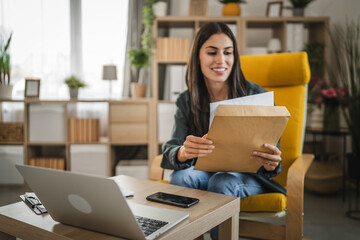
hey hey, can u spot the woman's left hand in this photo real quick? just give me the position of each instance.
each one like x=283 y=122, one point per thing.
x=269 y=160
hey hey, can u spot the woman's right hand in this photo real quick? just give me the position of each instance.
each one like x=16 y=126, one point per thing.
x=194 y=147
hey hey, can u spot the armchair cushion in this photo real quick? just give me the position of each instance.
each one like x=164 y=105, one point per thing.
x=268 y=202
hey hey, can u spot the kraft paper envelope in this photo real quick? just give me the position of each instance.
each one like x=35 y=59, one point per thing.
x=237 y=131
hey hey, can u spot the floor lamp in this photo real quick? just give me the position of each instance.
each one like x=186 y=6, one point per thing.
x=109 y=73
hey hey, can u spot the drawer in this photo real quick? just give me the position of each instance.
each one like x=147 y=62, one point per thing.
x=128 y=112
x=129 y=132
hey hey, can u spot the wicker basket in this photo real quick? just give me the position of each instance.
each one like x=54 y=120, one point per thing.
x=11 y=132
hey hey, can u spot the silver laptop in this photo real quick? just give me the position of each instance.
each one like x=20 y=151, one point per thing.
x=96 y=203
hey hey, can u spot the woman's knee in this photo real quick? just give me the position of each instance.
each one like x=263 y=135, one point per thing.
x=180 y=178
x=223 y=182
x=190 y=178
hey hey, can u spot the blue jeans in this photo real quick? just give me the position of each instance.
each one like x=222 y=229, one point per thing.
x=228 y=183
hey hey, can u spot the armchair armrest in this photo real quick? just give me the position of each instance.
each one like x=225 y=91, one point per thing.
x=295 y=195
x=156 y=171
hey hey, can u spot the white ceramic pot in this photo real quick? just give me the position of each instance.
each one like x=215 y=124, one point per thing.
x=160 y=9
x=73 y=93
x=6 y=91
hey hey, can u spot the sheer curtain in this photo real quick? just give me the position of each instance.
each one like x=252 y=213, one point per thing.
x=45 y=46
x=53 y=39
x=104 y=30
x=135 y=29
x=40 y=45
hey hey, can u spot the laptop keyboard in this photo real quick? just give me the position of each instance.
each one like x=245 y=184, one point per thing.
x=148 y=225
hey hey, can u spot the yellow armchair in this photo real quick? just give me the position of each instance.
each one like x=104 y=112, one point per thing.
x=287 y=74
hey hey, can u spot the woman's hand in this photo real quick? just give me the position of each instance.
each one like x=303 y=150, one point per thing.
x=195 y=147
x=269 y=160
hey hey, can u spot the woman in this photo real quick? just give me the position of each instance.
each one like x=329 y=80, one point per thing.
x=214 y=74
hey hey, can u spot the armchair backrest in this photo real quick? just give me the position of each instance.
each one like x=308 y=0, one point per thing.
x=287 y=74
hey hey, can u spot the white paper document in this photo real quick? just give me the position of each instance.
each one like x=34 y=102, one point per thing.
x=261 y=99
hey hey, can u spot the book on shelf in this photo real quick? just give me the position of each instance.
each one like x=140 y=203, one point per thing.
x=172 y=49
x=295 y=37
x=54 y=163
x=84 y=130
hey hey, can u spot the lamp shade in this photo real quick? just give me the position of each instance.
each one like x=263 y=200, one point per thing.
x=109 y=72
x=274 y=45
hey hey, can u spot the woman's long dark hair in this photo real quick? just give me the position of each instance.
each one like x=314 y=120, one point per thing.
x=199 y=96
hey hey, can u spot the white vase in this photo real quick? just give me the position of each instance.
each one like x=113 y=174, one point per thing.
x=317 y=117
x=160 y=9
x=6 y=91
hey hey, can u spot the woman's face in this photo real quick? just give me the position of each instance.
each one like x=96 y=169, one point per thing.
x=217 y=58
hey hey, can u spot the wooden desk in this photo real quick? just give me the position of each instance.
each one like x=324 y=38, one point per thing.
x=213 y=209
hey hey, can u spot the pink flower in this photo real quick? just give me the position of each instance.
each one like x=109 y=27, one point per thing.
x=329 y=93
x=340 y=91
x=318 y=100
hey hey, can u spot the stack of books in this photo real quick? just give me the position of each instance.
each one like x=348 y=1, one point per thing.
x=172 y=49
x=295 y=37
x=55 y=163
x=84 y=130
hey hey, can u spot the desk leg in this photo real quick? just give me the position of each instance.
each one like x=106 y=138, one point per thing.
x=344 y=169
x=5 y=236
x=229 y=229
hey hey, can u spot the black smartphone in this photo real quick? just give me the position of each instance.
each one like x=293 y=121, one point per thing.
x=176 y=200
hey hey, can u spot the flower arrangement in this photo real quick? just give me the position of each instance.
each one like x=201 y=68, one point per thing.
x=322 y=93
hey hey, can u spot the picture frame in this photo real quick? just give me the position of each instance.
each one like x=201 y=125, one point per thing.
x=274 y=9
x=197 y=7
x=32 y=87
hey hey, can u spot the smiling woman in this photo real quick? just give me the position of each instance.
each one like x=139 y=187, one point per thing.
x=214 y=74
x=216 y=61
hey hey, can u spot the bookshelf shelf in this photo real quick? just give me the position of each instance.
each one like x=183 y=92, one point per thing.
x=120 y=112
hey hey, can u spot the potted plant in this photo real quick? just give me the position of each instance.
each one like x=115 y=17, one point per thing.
x=5 y=76
x=140 y=57
x=74 y=83
x=298 y=6
x=231 y=7
x=346 y=73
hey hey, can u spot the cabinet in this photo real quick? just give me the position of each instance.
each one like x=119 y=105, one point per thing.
x=84 y=135
x=169 y=30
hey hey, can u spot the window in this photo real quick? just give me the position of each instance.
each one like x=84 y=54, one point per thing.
x=104 y=29
x=41 y=44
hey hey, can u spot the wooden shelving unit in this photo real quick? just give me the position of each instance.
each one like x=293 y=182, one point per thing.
x=129 y=114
